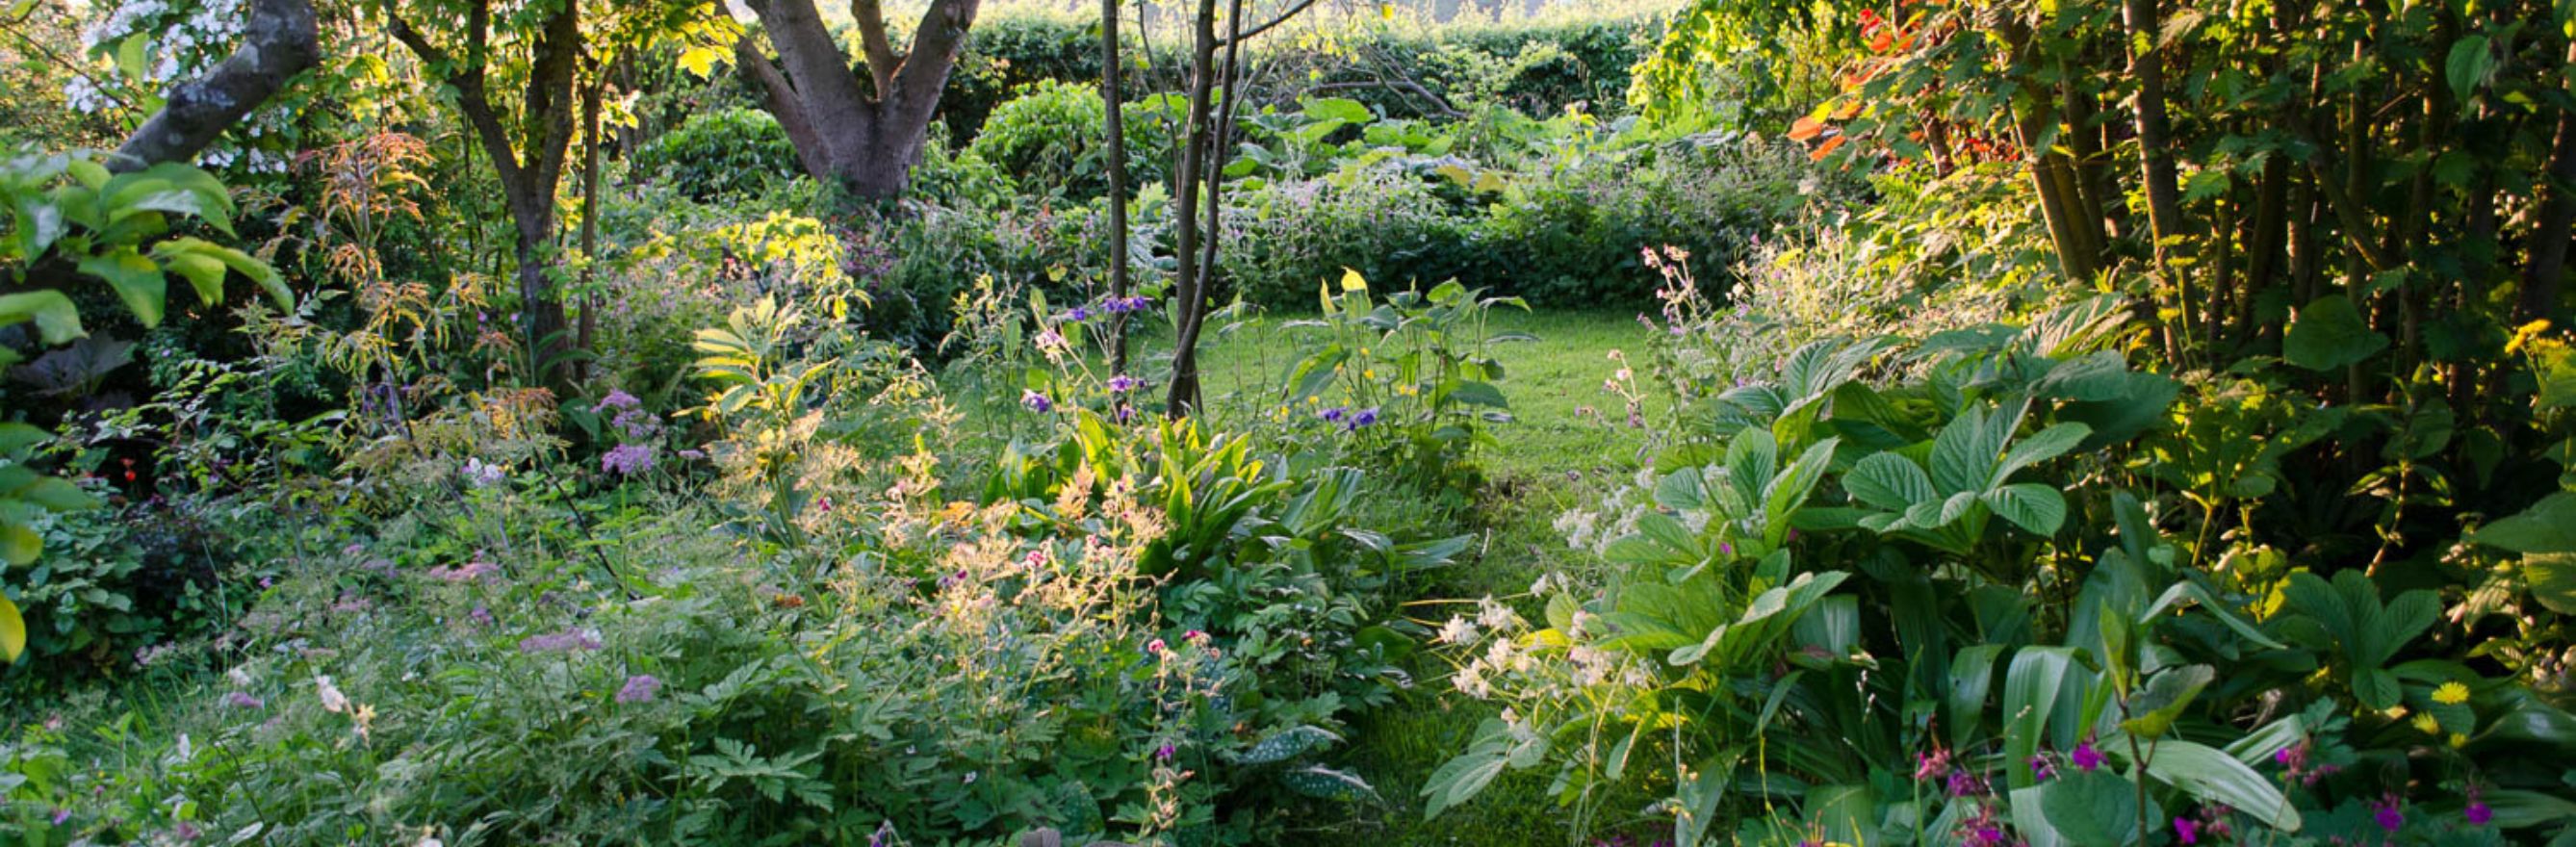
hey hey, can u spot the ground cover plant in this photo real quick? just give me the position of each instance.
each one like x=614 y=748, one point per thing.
x=1277 y=422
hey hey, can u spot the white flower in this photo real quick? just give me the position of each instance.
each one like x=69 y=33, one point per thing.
x=332 y=700
x=240 y=677
x=1495 y=616
x=1471 y=682
x=1539 y=586
x=1457 y=631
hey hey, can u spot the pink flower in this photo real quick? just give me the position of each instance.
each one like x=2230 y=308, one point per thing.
x=242 y=700
x=2186 y=832
x=639 y=689
x=1155 y=647
x=567 y=641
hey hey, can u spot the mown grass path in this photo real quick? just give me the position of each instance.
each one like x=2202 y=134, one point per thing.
x=1568 y=441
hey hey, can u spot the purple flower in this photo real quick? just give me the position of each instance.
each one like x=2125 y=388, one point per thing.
x=1964 y=784
x=2085 y=757
x=2385 y=814
x=627 y=459
x=481 y=474
x=1123 y=383
x=2042 y=768
x=1079 y=314
x=186 y=831
x=567 y=641
x=61 y=815
x=639 y=689
x=1125 y=413
x=2479 y=814
x=617 y=399
x=480 y=615
x=1334 y=414
x=242 y=700
x=2186 y=832
x=1036 y=402
x=1164 y=753
x=1364 y=418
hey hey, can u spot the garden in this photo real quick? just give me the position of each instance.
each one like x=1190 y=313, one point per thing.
x=1184 y=423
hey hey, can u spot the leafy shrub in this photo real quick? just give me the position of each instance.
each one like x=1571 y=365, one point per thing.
x=724 y=154
x=1569 y=234
x=1052 y=137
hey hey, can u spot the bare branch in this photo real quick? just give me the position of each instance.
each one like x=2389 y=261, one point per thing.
x=1255 y=32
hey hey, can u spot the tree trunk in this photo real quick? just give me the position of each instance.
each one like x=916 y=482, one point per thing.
x=1182 y=396
x=279 y=42
x=528 y=180
x=861 y=134
x=2546 y=271
x=1115 y=120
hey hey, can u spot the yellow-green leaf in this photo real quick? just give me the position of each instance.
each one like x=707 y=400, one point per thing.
x=13 y=631
x=137 y=281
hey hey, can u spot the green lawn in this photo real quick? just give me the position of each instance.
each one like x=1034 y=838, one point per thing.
x=1568 y=440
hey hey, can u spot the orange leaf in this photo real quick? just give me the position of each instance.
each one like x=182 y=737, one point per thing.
x=1848 y=110
x=1881 y=42
x=1826 y=149
x=1806 y=128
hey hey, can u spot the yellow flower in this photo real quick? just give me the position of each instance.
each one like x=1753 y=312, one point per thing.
x=2426 y=723
x=2458 y=740
x=2451 y=694
x=1370 y=374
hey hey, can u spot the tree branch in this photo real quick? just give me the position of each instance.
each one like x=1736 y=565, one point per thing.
x=782 y=101
x=882 y=62
x=1274 y=23
x=935 y=45
x=467 y=79
x=280 y=43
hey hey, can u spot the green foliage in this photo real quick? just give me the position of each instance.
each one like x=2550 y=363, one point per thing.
x=720 y=155
x=1052 y=137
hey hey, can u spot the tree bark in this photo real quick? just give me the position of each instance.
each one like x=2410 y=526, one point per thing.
x=2546 y=271
x=545 y=127
x=862 y=138
x=1115 y=119
x=280 y=41
x=1182 y=396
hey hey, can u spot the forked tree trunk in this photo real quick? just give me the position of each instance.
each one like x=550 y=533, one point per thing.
x=528 y=178
x=862 y=137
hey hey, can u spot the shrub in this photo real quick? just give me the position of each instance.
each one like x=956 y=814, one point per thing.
x=726 y=154
x=1052 y=137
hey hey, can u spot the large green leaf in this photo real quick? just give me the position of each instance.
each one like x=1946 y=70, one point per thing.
x=1888 y=481
x=2213 y=776
x=2095 y=807
x=2330 y=334
x=2029 y=505
x=57 y=320
x=2547 y=527
x=137 y=280
x=13 y=630
x=2030 y=696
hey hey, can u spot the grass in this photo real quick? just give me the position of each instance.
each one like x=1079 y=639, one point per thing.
x=1567 y=444
x=1568 y=441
